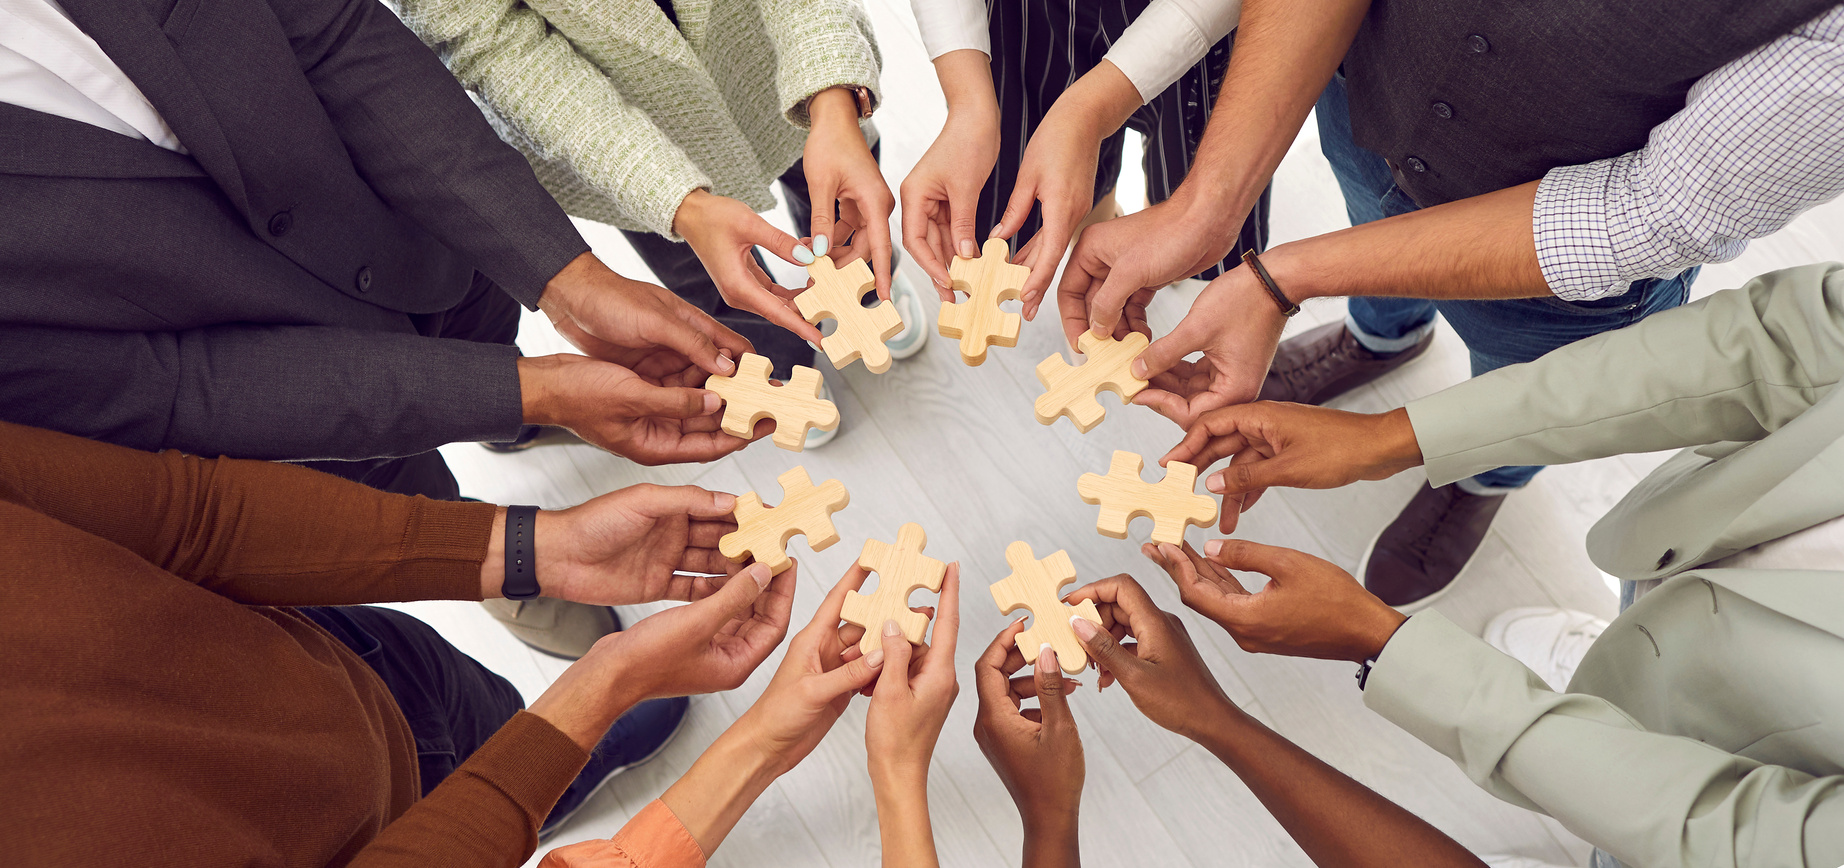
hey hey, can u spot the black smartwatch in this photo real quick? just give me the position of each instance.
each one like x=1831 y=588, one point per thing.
x=521 y=582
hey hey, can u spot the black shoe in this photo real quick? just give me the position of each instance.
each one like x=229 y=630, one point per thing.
x=637 y=737
x=1416 y=558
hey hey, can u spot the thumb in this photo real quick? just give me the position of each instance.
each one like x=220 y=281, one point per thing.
x=1162 y=354
x=1106 y=304
x=1107 y=652
x=962 y=205
x=895 y=674
x=637 y=399
x=731 y=600
x=1052 y=701
x=850 y=676
x=1245 y=475
x=665 y=501
x=1274 y=562
x=824 y=194
x=763 y=234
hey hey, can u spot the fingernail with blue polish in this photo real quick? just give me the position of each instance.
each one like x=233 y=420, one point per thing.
x=820 y=245
x=802 y=255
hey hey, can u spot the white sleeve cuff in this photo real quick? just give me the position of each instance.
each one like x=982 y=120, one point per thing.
x=1574 y=247
x=1171 y=36
x=951 y=25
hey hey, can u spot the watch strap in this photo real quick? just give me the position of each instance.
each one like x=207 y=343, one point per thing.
x=521 y=579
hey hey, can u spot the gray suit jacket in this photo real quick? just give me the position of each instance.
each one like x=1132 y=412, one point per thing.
x=1706 y=726
x=260 y=296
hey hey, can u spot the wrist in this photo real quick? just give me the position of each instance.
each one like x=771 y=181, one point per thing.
x=1378 y=626
x=493 y=568
x=559 y=296
x=691 y=216
x=833 y=108
x=749 y=753
x=1394 y=436
x=1052 y=839
x=898 y=775
x=539 y=395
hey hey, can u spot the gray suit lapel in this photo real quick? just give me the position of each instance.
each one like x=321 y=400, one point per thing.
x=128 y=34
x=35 y=143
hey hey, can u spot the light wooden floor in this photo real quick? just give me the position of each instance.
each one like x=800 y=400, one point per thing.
x=958 y=450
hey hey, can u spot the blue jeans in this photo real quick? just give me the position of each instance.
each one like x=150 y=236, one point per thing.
x=1497 y=333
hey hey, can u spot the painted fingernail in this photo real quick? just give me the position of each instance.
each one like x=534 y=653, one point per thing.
x=821 y=245
x=712 y=402
x=1215 y=482
x=761 y=574
x=875 y=658
x=1046 y=658
x=940 y=284
x=1085 y=629
x=1139 y=369
x=1213 y=547
x=802 y=255
x=891 y=629
x=969 y=250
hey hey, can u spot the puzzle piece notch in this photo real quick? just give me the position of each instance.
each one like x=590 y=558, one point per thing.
x=763 y=531
x=1037 y=585
x=1071 y=389
x=1172 y=503
x=795 y=405
x=979 y=322
x=838 y=293
x=901 y=569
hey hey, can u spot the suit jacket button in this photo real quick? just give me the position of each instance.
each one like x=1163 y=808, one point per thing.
x=363 y=281
x=281 y=223
x=1665 y=559
x=1414 y=164
x=1477 y=44
x=1442 y=110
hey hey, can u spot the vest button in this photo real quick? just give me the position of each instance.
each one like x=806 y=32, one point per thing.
x=1442 y=110
x=363 y=280
x=1414 y=164
x=281 y=223
x=1477 y=44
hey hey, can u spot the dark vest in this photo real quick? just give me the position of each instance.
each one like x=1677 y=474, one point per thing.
x=1464 y=97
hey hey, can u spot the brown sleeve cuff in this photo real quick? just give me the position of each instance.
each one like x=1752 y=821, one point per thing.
x=443 y=545
x=531 y=761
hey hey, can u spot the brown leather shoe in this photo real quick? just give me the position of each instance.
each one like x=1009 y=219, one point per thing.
x=1326 y=362
x=1416 y=558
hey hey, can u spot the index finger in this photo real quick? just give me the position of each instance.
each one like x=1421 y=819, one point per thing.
x=1133 y=608
x=828 y=614
x=947 y=622
x=918 y=215
x=992 y=673
x=1072 y=293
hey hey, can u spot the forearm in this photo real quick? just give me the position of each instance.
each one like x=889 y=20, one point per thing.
x=259 y=533
x=1099 y=102
x=487 y=812
x=1480 y=248
x=1052 y=841
x=902 y=816
x=721 y=785
x=1336 y=820
x=966 y=83
x=1285 y=54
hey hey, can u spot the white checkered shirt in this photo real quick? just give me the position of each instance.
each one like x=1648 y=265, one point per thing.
x=1759 y=140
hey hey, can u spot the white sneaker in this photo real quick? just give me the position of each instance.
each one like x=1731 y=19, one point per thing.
x=1552 y=642
x=909 y=306
x=816 y=437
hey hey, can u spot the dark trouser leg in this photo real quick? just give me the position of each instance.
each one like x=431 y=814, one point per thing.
x=1040 y=48
x=452 y=703
x=678 y=269
x=485 y=314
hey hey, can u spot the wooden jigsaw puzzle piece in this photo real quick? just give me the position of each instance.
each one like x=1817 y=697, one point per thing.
x=901 y=569
x=979 y=321
x=837 y=294
x=1070 y=390
x=795 y=406
x=1037 y=585
x=1172 y=503
x=763 y=532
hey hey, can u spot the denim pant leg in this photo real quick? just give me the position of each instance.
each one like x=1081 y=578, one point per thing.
x=452 y=703
x=1383 y=325
x=1512 y=331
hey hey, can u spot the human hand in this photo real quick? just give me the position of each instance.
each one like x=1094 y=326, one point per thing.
x=1294 y=446
x=842 y=176
x=1236 y=326
x=712 y=644
x=1310 y=608
x=723 y=232
x=1161 y=670
x=639 y=544
x=1036 y=752
x=609 y=317
x=812 y=687
x=913 y=693
x=648 y=420
x=941 y=195
x=1136 y=255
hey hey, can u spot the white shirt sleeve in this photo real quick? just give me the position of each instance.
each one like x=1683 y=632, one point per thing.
x=1759 y=141
x=1170 y=37
x=951 y=25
